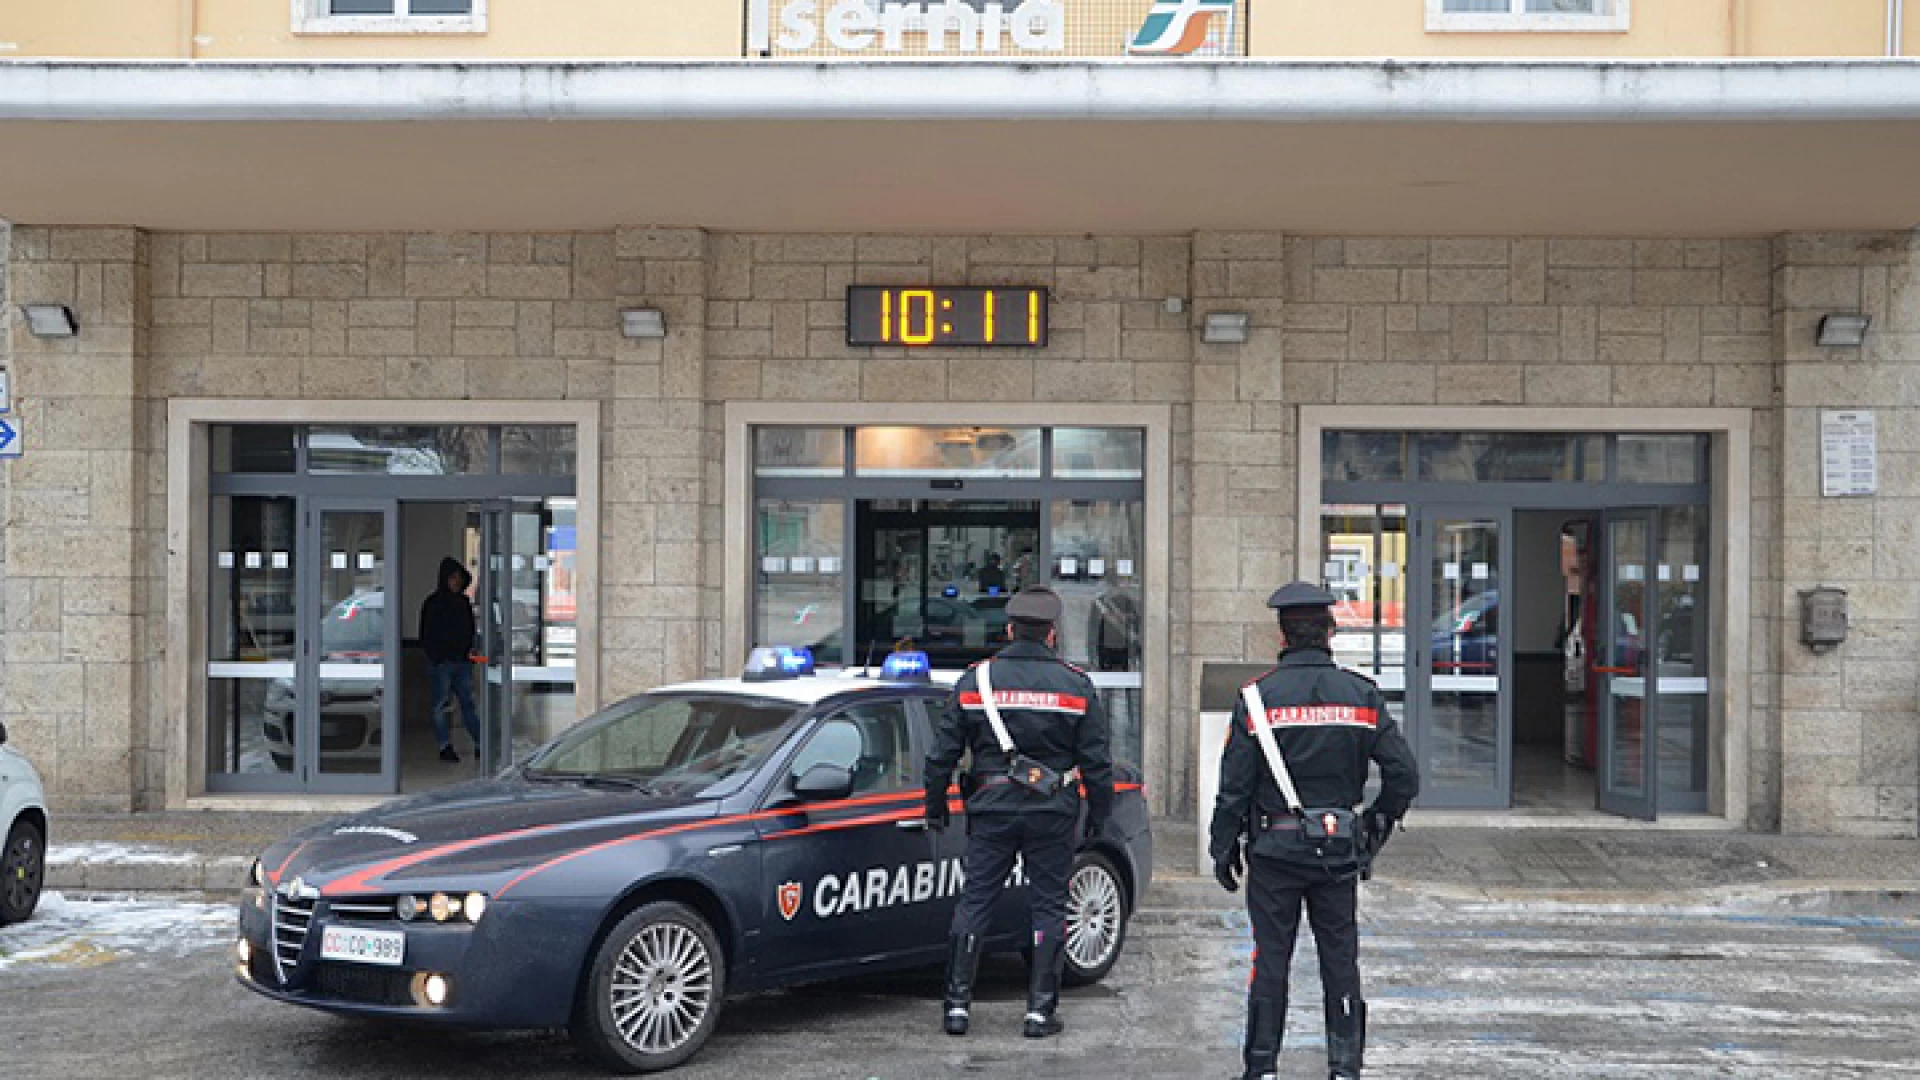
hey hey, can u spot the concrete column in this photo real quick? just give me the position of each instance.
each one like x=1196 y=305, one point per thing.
x=660 y=560
x=77 y=536
x=1850 y=718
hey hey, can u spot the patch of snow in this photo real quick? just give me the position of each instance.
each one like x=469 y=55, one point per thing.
x=144 y=854
x=66 y=932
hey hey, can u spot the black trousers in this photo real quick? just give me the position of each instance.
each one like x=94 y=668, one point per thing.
x=1043 y=843
x=1275 y=892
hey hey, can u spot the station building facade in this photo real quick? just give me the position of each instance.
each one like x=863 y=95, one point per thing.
x=1546 y=379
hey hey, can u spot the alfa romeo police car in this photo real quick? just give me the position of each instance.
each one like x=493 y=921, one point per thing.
x=703 y=840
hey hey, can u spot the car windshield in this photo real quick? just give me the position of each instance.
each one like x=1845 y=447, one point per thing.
x=671 y=745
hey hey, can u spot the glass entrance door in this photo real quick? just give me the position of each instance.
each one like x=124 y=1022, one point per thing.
x=1460 y=673
x=345 y=736
x=1628 y=683
x=939 y=573
x=527 y=641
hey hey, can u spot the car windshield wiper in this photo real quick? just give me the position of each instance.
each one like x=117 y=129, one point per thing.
x=607 y=780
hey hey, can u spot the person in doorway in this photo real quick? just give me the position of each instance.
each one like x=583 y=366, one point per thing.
x=1030 y=719
x=446 y=634
x=992 y=578
x=1294 y=767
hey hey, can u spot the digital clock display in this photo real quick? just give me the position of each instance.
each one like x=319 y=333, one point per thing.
x=921 y=317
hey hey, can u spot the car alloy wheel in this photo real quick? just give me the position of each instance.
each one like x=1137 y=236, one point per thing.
x=652 y=993
x=22 y=871
x=1096 y=919
x=662 y=988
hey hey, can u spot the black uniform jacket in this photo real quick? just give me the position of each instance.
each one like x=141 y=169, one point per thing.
x=1054 y=716
x=1329 y=723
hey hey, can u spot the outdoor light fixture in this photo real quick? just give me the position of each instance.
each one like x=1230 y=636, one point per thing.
x=643 y=323
x=50 y=320
x=1844 y=331
x=1225 y=328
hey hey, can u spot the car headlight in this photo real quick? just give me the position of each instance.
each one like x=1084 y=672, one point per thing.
x=440 y=907
x=257 y=875
x=407 y=907
x=474 y=906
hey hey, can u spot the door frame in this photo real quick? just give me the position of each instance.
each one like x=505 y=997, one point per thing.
x=1419 y=666
x=1730 y=504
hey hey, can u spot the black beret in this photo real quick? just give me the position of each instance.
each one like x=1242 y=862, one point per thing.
x=1299 y=594
x=1034 y=604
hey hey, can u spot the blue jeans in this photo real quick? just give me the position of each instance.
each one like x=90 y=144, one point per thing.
x=454 y=679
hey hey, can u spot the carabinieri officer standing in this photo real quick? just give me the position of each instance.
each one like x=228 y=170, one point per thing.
x=1294 y=768
x=1030 y=719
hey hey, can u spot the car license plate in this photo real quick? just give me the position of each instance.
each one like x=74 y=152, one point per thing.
x=385 y=947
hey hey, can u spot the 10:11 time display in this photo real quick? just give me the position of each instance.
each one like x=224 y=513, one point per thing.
x=916 y=317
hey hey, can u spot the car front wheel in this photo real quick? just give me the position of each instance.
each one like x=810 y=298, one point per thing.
x=23 y=868
x=1096 y=919
x=653 y=992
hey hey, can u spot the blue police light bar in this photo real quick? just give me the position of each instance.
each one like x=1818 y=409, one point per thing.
x=907 y=667
x=778 y=662
x=950 y=591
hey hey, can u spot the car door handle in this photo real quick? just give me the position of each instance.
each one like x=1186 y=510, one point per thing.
x=912 y=824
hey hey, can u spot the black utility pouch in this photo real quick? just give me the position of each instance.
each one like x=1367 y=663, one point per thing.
x=1032 y=775
x=1333 y=831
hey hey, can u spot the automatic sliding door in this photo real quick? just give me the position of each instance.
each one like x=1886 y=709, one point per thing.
x=350 y=653
x=938 y=574
x=1461 y=674
x=1629 y=684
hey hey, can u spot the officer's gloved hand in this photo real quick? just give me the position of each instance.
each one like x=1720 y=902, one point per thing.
x=939 y=815
x=1228 y=868
x=1379 y=826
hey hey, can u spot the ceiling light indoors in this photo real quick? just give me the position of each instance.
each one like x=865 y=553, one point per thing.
x=50 y=320
x=1225 y=328
x=643 y=323
x=1844 y=330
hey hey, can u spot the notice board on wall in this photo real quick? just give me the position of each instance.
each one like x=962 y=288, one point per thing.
x=1849 y=455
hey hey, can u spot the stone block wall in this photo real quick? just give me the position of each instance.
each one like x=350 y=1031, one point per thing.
x=1849 y=720
x=79 y=611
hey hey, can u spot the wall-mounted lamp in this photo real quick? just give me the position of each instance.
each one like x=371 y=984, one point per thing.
x=643 y=323
x=1225 y=328
x=50 y=320
x=1846 y=330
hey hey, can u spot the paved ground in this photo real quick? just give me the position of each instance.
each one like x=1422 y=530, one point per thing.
x=1461 y=988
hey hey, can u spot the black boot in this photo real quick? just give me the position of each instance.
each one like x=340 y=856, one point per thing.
x=1043 y=989
x=963 y=959
x=1266 y=1021
x=1346 y=1038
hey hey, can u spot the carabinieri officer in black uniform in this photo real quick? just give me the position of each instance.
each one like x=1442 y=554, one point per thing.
x=1030 y=719
x=1290 y=798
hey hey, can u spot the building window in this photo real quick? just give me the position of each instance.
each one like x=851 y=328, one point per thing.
x=390 y=16
x=1529 y=16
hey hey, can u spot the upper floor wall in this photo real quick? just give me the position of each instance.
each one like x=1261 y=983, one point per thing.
x=605 y=29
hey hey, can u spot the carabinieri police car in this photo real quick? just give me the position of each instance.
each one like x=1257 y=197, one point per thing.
x=707 y=839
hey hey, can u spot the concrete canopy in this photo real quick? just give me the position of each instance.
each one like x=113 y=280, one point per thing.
x=1380 y=147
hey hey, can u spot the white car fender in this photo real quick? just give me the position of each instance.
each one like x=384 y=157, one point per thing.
x=20 y=788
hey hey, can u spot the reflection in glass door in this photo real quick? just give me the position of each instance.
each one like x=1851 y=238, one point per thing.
x=1628 y=683
x=1461 y=659
x=350 y=643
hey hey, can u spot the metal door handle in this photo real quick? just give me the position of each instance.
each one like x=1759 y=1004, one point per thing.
x=912 y=824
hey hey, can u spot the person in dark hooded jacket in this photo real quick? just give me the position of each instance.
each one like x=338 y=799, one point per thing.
x=446 y=634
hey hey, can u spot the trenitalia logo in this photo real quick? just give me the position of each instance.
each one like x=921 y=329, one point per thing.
x=1035 y=26
x=1178 y=27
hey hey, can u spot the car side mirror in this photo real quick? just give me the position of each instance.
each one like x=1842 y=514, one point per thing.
x=824 y=783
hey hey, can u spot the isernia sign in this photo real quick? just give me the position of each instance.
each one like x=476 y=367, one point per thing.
x=1032 y=26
